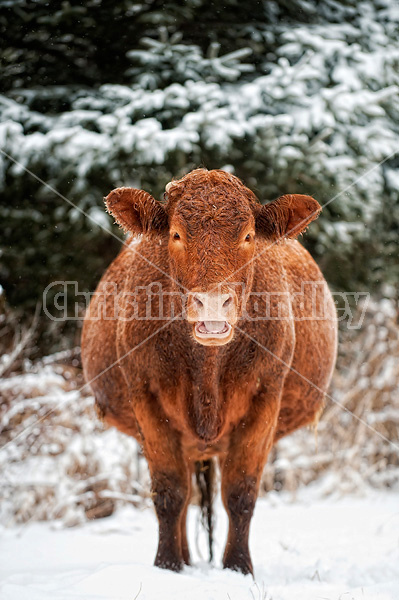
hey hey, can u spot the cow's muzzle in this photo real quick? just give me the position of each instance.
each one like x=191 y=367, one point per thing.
x=213 y=316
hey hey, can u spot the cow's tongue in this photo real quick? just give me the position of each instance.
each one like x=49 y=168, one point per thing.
x=214 y=326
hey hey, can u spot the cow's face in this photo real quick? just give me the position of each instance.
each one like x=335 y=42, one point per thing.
x=211 y=247
x=211 y=221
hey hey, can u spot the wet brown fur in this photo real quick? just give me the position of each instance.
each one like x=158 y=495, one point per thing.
x=187 y=402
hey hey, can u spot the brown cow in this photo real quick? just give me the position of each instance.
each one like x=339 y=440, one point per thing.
x=224 y=341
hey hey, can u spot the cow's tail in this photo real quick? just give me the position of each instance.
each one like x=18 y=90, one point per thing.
x=205 y=475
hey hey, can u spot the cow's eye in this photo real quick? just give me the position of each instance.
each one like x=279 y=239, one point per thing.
x=248 y=237
x=176 y=236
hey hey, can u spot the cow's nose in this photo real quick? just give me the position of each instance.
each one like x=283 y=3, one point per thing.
x=208 y=306
x=229 y=300
x=198 y=301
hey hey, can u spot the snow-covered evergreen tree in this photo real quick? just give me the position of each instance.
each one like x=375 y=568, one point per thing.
x=292 y=97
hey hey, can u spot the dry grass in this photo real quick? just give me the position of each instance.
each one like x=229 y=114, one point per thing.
x=59 y=461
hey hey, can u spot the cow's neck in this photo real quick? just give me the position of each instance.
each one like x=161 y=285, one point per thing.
x=206 y=400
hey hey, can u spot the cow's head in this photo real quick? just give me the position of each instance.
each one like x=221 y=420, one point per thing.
x=212 y=223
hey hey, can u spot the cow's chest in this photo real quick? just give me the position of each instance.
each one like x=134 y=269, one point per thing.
x=204 y=391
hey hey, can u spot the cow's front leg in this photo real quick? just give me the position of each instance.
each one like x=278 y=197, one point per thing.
x=170 y=477
x=241 y=472
x=239 y=500
x=170 y=494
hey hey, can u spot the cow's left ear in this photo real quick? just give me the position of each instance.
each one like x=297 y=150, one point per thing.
x=137 y=211
x=287 y=216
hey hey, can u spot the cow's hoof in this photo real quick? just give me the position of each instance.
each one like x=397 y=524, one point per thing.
x=169 y=564
x=242 y=565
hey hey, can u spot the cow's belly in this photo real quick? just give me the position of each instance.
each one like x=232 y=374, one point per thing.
x=308 y=380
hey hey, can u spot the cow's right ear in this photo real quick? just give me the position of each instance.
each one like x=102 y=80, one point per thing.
x=137 y=211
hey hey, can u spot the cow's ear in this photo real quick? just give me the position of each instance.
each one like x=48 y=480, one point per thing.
x=288 y=216
x=137 y=211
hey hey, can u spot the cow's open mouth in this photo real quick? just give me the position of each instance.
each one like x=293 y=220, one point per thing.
x=212 y=329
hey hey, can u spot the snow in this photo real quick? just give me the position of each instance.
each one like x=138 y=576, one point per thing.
x=303 y=549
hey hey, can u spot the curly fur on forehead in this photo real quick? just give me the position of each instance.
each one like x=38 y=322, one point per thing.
x=209 y=196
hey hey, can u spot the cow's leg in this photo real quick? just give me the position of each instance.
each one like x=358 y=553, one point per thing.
x=170 y=492
x=170 y=476
x=241 y=472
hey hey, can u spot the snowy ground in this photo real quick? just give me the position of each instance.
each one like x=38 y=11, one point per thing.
x=329 y=549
